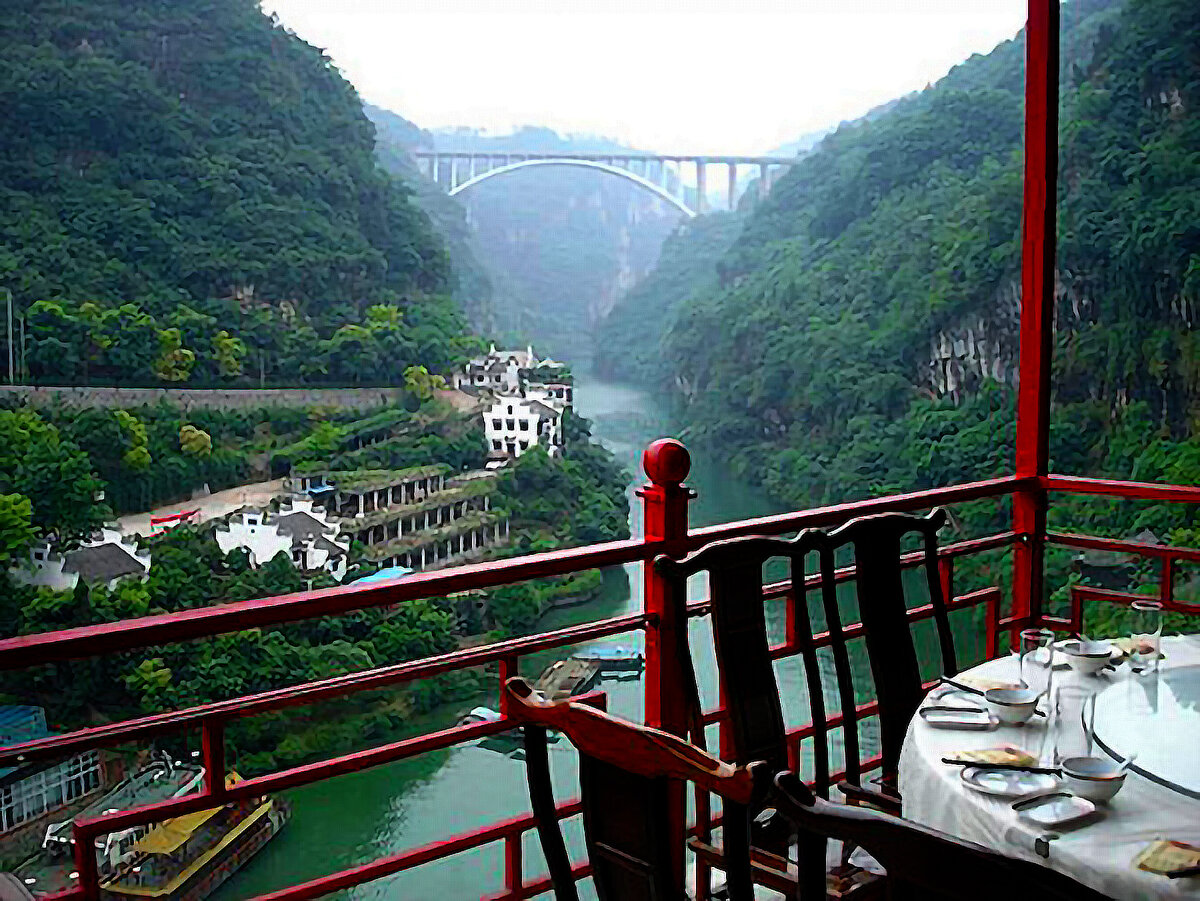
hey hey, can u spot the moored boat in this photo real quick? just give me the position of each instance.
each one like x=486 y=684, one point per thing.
x=182 y=859
x=187 y=858
x=613 y=658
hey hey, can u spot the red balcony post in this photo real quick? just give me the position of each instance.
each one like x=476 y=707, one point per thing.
x=665 y=518
x=212 y=744
x=514 y=882
x=1037 y=303
x=1166 y=586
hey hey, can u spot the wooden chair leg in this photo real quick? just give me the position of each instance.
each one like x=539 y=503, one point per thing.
x=541 y=801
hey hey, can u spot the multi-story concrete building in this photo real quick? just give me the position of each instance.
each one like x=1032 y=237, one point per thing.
x=30 y=793
x=417 y=518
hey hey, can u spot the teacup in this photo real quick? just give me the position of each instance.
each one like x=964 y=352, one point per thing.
x=1087 y=657
x=1012 y=706
x=1094 y=778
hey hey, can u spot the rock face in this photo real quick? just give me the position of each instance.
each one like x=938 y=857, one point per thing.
x=984 y=345
x=977 y=348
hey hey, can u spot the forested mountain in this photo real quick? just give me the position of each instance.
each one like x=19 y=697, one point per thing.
x=860 y=335
x=189 y=192
x=560 y=244
x=629 y=341
x=395 y=140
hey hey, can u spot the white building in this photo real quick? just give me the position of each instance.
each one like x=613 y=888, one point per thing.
x=104 y=559
x=502 y=371
x=29 y=792
x=298 y=530
x=515 y=424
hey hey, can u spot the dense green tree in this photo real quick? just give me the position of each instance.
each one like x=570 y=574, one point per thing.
x=56 y=476
x=16 y=529
x=190 y=184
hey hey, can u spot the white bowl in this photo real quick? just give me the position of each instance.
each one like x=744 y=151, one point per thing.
x=1094 y=778
x=1012 y=706
x=1087 y=657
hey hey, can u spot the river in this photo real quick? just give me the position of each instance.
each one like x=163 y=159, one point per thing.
x=356 y=818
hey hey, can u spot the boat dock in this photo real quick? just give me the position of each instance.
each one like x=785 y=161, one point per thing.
x=568 y=677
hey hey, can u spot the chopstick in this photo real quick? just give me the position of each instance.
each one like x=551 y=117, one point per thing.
x=967 y=688
x=975 y=691
x=1019 y=767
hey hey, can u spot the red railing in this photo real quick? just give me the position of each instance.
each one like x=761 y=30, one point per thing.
x=665 y=502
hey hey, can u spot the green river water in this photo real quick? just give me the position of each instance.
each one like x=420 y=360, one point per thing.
x=357 y=818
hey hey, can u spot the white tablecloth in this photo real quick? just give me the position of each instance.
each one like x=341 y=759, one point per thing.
x=1099 y=855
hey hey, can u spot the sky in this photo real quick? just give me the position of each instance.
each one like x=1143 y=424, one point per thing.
x=700 y=76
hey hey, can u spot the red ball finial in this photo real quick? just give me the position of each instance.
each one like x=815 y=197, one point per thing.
x=667 y=462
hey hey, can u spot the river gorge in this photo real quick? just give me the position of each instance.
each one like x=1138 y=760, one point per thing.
x=357 y=818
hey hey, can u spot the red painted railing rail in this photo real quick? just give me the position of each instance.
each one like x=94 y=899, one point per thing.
x=666 y=503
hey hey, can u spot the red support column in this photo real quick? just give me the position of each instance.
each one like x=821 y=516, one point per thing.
x=1037 y=302
x=212 y=744
x=1166 y=586
x=665 y=518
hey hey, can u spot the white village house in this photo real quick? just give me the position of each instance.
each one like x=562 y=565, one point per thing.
x=306 y=535
x=104 y=559
x=515 y=424
x=502 y=371
x=524 y=401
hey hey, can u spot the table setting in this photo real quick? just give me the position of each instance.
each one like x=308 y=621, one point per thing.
x=1081 y=754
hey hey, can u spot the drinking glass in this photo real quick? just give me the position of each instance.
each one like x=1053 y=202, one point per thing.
x=1147 y=635
x=1074 y=722
x=1033 y=657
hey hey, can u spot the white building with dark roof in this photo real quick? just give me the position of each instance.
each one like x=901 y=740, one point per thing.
x=502 y=371
x=513 y=425
x=104 y=559
x=300 y=531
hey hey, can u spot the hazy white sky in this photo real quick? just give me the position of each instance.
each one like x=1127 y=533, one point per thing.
x=693 y=76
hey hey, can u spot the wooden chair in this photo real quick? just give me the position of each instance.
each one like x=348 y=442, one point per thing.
x=756 y=725
x=921 y=863
x=625 y=771
x=743 y=650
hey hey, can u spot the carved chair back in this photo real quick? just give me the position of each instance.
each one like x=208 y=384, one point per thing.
x=744 y=656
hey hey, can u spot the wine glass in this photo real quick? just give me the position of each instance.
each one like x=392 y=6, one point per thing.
x=1147 y=635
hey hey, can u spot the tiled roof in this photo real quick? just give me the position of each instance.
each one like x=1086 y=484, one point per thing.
x=334 y=550
x=301 y=525
x=102 y=562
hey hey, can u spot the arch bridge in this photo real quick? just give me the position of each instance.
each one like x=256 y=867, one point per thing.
x=458 y=171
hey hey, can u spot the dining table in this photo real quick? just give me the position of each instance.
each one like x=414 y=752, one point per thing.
x=1152 y=715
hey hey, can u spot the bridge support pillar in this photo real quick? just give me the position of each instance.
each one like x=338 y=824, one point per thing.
x=733 y=186
x=453 y=172
x=701 y=187
x=764 y=180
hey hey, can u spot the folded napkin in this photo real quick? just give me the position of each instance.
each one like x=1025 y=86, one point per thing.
x=1006 y=754
x=1166 y=857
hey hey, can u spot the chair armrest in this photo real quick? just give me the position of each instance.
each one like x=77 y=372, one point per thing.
x=858 y=794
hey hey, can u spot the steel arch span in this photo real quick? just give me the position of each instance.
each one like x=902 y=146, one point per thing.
x=582 y=164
